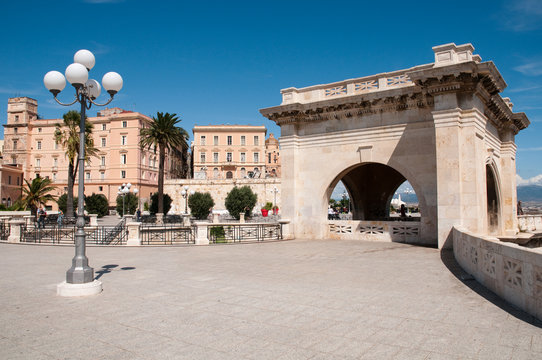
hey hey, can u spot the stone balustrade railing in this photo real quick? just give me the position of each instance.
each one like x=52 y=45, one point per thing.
x=363 y=85
x=530 y=223
x=511 y=271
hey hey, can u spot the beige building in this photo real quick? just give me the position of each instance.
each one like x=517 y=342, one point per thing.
x=30 y=144
x=272 y=157
x=11 y=179
x=229 y=151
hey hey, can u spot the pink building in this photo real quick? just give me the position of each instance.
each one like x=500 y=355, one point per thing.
x=29 y=143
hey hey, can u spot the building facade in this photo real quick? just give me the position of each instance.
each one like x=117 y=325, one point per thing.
x=272 y=157
x=11 y=179
x=229 y=151
x=30 y=145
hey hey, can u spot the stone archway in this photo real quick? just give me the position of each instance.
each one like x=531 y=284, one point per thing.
x=434 y=124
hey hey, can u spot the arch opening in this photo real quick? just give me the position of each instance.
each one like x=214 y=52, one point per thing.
x=372 y=192
x=493 y=206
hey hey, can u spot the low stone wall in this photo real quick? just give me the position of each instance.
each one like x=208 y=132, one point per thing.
x=219 y=189
x=397 y=231
x=509 y=270
x=531 y=223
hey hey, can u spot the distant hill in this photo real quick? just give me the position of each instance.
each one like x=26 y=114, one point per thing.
x=530 y=193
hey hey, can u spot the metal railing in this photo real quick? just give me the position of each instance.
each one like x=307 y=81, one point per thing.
x=101 y=235
x=4 y=230
x=167 y=235
x=243 y=233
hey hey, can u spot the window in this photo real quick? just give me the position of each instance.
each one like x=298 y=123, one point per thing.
x=102 y=163
x=55 y=162
x=38 y=162
x=243 y=157
x=125 y=124
x=104 y=127
x=14 y=144
x=229 y=175
x=202 y=140
x=100 y=188
x=123 y=140
x=143 y=160
x=123 y=158
x=18 y=181
x=215 y=157
x=15 y=130
x=215 y=140
x=123 y=174
x=256 y=140
x=9 y=180
x=243 y=172
x=39 y=130
x=269 y=158
x=54 y=176
x=243 y=139
x=256 y=157
x=104 y=142
x=87 y=176
x=202 y=157
x=102 y=176
x=16 y=118
x=56 y=145
x=215 y=173
x=39 y=145
x=230 y=140
x=228 y=157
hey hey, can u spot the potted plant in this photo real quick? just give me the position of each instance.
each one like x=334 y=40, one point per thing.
x=265 y=210
x=275 y=210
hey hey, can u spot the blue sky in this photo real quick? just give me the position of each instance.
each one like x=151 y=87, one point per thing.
x=218 y=62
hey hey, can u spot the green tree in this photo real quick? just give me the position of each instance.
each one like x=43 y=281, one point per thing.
x=164 y=134
x=240 y=200
x=153 y=209
x=130 y=203
x=67 y=135
x=200 y=204
x=97 y=204
x=37 y=193
x=62 y=202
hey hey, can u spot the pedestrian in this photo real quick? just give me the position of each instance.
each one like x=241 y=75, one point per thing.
x=42 y=216
x=403 y=210
x=60 y=218
x=138 y=215
x=520 y=209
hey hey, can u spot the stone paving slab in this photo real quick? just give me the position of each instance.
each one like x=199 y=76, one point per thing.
x=301 y=299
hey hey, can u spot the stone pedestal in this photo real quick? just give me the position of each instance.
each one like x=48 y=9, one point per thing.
x=93 y=219
x=201 y=234
x=129 y=218
x=90 y=288
x=186 y=219
x=242 y=218
x=160 y=219
x=287 y=233
x=216 y=218
x=134 y=238
x=15 y=230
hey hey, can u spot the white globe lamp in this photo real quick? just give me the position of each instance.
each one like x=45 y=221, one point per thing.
x=86 y=58
x=112 y=82
x=54 y=81
x=77 y=74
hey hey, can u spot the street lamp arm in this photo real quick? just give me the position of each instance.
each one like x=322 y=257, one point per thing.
x=98 y=104
x=61 y=103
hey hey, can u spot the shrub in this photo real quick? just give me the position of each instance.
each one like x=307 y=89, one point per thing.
x=218 y=233
x=62 y=201
x=130 y=204
x=240 y=200
x=97 y=204
x=146 y=206
x=154 y=203
x=200 y=205
x=268 y=206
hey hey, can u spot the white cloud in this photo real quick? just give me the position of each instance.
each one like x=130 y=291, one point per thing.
x=522 y=15
x=533 y=68
x=535 y=180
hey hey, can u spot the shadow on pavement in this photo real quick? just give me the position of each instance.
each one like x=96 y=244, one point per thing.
x=106 y=269
x=448 y=259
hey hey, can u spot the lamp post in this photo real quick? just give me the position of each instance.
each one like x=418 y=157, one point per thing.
x=184 y=194
x=86 y=91
x=123 y=190
x=345 y=195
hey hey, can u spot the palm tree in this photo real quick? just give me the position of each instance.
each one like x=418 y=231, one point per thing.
x=67 y=135
x=37 y=193
x=164 y=134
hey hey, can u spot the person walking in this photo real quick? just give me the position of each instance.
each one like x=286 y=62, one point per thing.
x=42 y=214
x=60 y=218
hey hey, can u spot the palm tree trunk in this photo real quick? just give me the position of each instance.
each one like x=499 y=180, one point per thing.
x=161 y=179
x=69 y=199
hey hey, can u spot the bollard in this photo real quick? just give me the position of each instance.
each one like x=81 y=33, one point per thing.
x=241 y=218
x=93 y=219
x=201 y=234
x=15 y=230
x=134 y=238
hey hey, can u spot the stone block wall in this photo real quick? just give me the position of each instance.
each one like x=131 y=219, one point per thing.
x=219 y=189
x=509 y=270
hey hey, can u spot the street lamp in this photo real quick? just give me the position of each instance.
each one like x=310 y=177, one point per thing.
x=123 y=190
x=275 y=191
x=184 y=194
x=86 y=91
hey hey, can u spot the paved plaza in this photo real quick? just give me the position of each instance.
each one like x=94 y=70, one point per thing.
x=279 y=300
